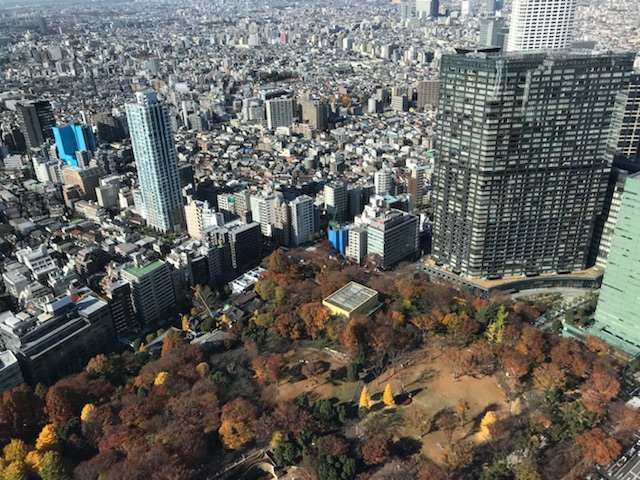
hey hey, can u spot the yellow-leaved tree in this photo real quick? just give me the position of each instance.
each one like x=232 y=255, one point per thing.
x=15 y=471
x=15 y=451
x=203 y=369
x=276 y=440
x=488 y=420
x=516 y=407
x=86 y=411
x=48 y=439
x=34 y=460
x=161 y=378
x=387 y=396
x=365 y=399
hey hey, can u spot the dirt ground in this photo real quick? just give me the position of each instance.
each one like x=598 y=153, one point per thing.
x=320 y=387
x=433 y=388
x=424 y=376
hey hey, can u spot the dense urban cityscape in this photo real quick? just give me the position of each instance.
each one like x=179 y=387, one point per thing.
x=320 y=240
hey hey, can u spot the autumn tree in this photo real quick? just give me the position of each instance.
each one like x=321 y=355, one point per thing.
x=48 y=439
x=495 y=329
x=461 y=326
x=52 y=467
x=289 y=325
x=99 y=365
x=15 y=451
x=485 y=425
x=365 y=399
x=238 y=420
x=313 y=370
x=33 y=460
x=429 y=470
x=167 y=344
x=549 y=377
x=387 y=396
x=203 y=369
x=276 y=365
x=375 y=450
x=603 y=379
x=515 y=364
x=447 y=422
x=259 y=366
x=483 y=361
x=420 y=420
x=315 y=316
x=458 y=456
x=598 y=447
x=534 y=343
x=459 y=361
x=86 y=411
x=462 y=407
x=161 y=378
x=596 y=345
x=16 y=470
x=21 y=413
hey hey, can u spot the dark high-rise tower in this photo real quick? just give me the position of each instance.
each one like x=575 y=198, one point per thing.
x=627 y=121
x=36 y=121
x=522 y=160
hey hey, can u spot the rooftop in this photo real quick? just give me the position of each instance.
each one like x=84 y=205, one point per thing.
x=7 y=358
x=351 y=296
x=140 y=272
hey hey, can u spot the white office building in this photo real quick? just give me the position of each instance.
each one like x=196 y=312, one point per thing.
x=541 y=24
x=279 y=112
x=302 y=220
x=156 y=161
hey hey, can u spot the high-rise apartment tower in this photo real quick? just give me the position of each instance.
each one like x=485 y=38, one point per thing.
x=522 y=161
x=156 y=161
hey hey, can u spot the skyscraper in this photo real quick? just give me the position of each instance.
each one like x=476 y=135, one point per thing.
x=627 y=121
x=156 y=161
x=36 y=121
x=302 y=220
x=522 y=161
x=492 y=32
x=541 y=24
x=335 y=199
x=617 y=311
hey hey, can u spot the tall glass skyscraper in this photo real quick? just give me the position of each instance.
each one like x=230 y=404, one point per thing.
x=156 y=161
x=619 y=303
x=522 y=160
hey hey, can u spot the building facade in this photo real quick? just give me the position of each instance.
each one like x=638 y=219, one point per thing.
x=151 y=289
x=36 y=121
x=627 y=121
x=72 y=139
x=522 y=162
x=302 y=220
x=392 y=237
x=618 y=305
x=279 y=112
x=335 y=199
x=156 y=161
x=59 y=337
x=541 y=24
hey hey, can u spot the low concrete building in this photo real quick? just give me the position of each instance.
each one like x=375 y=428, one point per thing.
x=352 y=299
